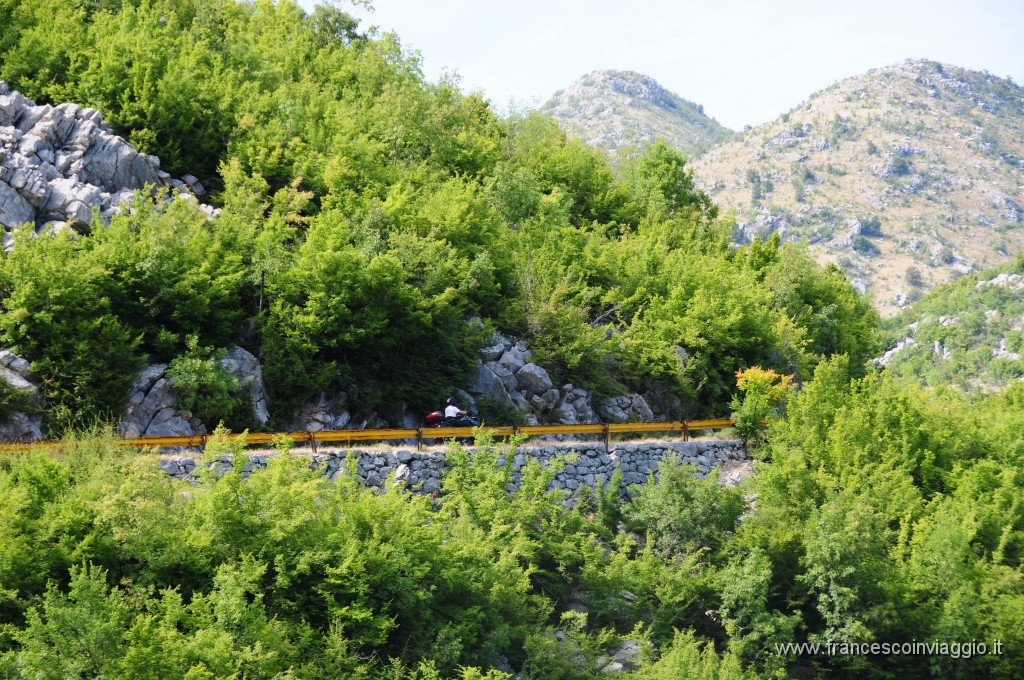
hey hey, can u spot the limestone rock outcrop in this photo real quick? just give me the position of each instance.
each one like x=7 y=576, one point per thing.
x=59 y=164
x=22 y=425
x=505 y=375
x=153 y=410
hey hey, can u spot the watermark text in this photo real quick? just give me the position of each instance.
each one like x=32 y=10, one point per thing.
x=954 y=650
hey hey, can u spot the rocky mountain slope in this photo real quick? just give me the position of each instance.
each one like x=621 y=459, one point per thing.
x=968 y=333
x=614 y=110
x=906 y=177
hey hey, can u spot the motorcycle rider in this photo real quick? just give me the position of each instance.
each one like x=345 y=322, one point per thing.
x=451 y=410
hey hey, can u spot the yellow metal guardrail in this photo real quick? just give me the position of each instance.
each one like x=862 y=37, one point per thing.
x=421 y=434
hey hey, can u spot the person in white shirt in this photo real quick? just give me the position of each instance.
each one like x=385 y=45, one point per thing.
x=451 y=410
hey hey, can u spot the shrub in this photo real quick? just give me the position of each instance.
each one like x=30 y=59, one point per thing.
x=762 y=390
x=864 y=246
x=205 y=388
x=680 y=513
x=12 y=400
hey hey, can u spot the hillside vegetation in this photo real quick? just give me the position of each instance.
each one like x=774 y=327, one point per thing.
x=906 y=177
x=366 y=217
x=969 y=334
x=373 y=229
x=887 y=515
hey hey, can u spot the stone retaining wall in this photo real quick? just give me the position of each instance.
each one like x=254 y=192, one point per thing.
x=422 y=471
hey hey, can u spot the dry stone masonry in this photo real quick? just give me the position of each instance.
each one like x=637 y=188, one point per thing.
x=589 y=464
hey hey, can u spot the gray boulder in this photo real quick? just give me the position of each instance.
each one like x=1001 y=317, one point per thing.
x=624 y=408
x=247 y=369
x=531 y=379
x=493 y=352
x=21 y=426
x=152 y=408
x=327 y=413
x=614 y=409
x=503 y=374
x=515 y=357
x=14 y=208
x=167 y=422
x=639 y=409
x=566 y=414
x=19 y=381
x=486 y=384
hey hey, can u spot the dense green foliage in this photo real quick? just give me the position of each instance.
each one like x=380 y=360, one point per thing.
x=288 y=573
x=204 y=388
x=888 y=514
x=366 y=218
x=966 y=333
x=367 y=215
x=87 y=310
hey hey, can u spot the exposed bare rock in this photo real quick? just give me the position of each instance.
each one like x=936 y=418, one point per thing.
x=488 y=384
x=247 y=369
x=533 y=380
x=153 y=411
x=1002 y=353
x=62 y=164
x=22 y=425
x=327 y=413
x=887 y=358
x=1011 y=281
x=614 y=109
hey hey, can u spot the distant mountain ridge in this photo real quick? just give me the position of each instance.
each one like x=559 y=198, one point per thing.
x=623 y=109
x=906 y=176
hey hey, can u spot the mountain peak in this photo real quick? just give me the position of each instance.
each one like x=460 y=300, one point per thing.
x=905 y=176
x=611 y=109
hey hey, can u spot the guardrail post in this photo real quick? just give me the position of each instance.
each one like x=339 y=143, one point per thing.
x=686 y=431
x=202 y=444
x=312 y=441
x=606 y=438
x=419 y=438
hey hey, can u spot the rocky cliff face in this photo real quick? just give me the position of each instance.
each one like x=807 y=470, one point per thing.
x=60 y=167
x=23 y=425
x=61 y=164
x=152 y=409
x=614 y=110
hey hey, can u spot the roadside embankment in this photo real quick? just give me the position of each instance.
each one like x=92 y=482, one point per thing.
x=587 y=463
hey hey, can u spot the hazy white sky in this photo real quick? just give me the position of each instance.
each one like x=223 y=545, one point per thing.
x=746 y=61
